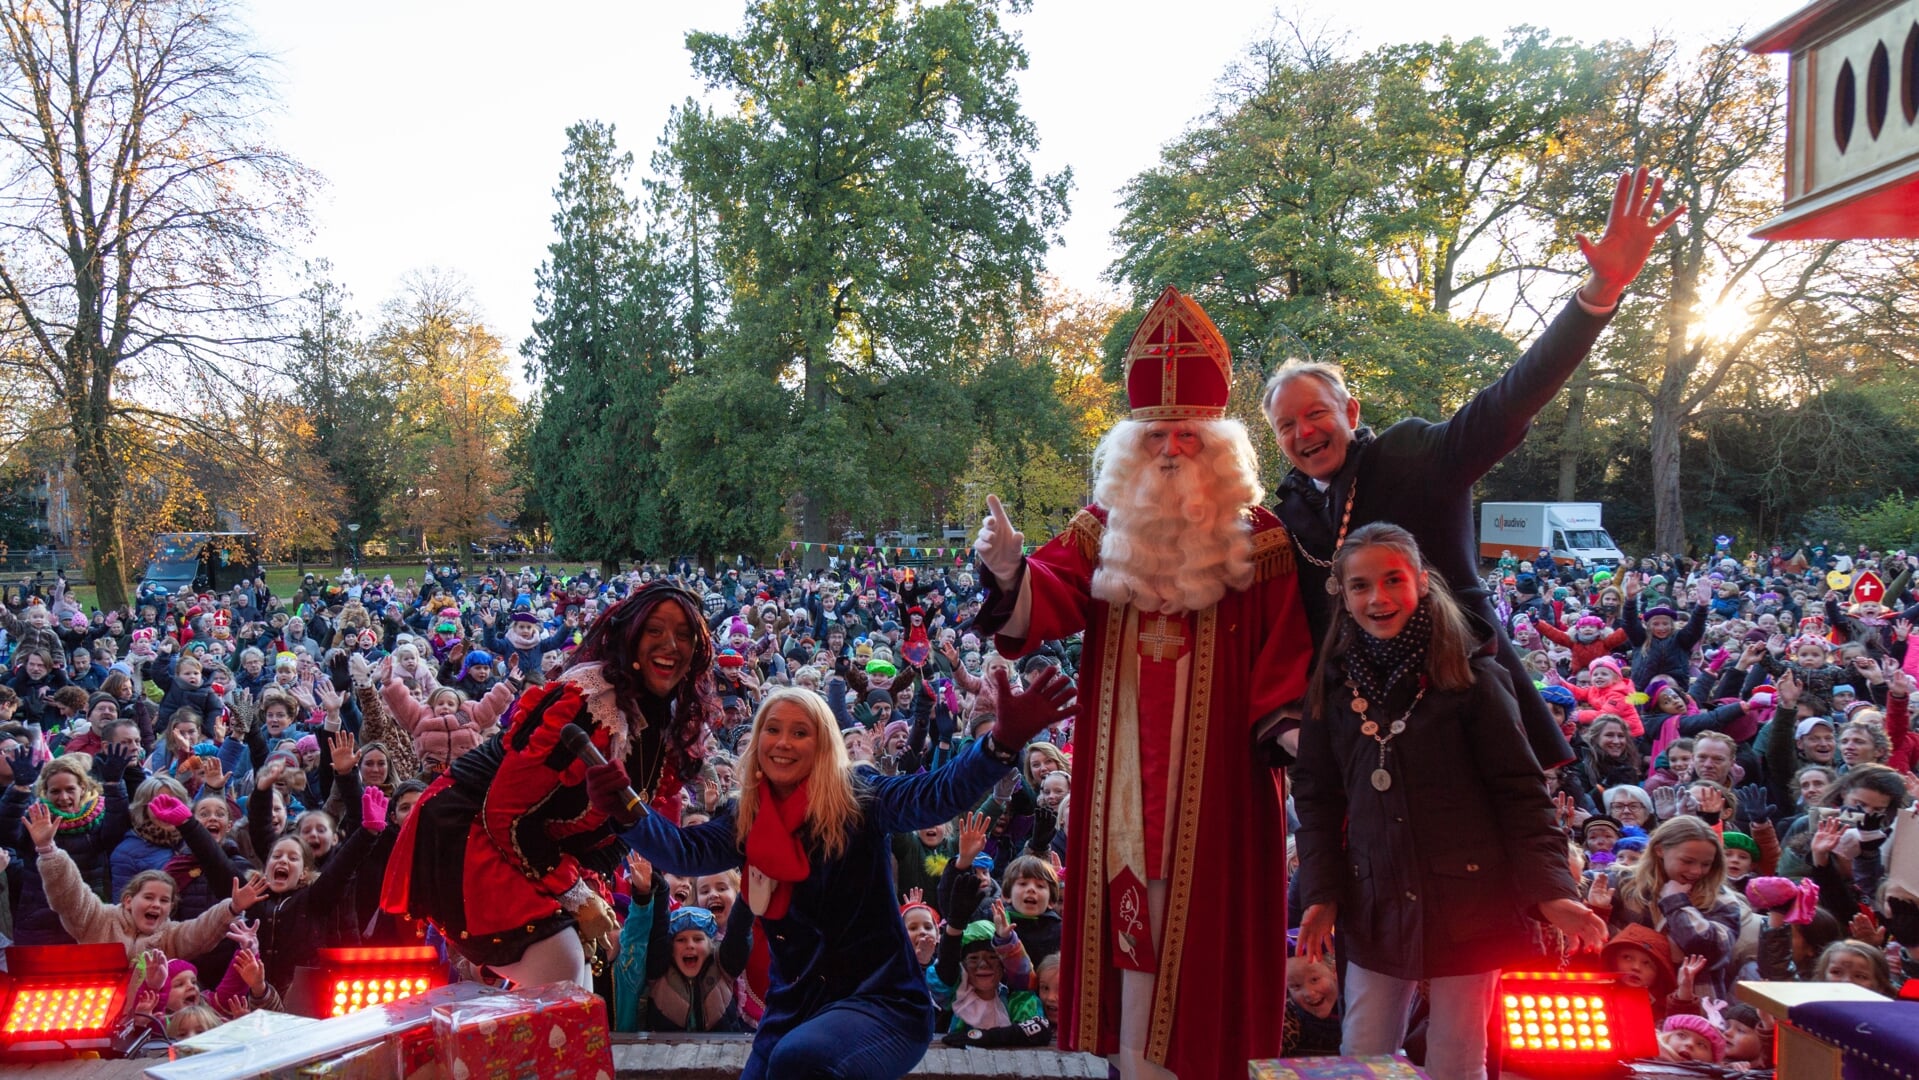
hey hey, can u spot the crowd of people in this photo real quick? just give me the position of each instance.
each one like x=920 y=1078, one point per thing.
x=216 y=781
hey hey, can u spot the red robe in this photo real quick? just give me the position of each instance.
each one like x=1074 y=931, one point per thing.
x=1221 y=957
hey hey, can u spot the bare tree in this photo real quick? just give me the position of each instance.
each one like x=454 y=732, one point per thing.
x=138 y=211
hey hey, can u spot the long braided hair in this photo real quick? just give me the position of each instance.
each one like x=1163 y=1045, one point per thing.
x=613 y=641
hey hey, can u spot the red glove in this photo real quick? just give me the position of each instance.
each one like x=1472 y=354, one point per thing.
x=606 y=790
x=1047 y=699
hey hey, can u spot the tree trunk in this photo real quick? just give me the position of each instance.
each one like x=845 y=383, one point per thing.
x=1569 y=440
x=1669 y=508
x=100 y=489
x=609 y=568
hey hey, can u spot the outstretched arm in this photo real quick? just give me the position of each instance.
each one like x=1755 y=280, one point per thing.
x=1496 y=420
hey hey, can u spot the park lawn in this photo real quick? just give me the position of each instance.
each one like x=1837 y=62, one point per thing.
x=285 y=580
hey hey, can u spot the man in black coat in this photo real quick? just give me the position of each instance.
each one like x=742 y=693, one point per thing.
x=1420 y=475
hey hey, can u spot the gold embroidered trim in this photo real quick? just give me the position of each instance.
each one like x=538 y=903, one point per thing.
x=1092 y=936
x=1084 y=532
x=1199 y=708
x=1178 y=412
x=1272 y=553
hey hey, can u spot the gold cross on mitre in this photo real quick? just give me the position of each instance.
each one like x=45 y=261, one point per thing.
x=1162 y=632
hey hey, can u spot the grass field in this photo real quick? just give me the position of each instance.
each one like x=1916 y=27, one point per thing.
x=285 y=580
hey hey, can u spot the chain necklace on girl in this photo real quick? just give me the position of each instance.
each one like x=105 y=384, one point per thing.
x=1400 y=655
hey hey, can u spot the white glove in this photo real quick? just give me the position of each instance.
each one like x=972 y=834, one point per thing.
x=359 y=670
x=999 y=546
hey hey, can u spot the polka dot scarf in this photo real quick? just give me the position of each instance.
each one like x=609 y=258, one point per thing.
x=1379 y=664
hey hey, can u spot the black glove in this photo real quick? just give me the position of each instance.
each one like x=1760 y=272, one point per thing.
x=1754 y=805
x=1020 y=804
x=337 y=672
x=1044 y=823
x=25 y=769
x=967 y=893
x=110 y=764
x=1034 y=1032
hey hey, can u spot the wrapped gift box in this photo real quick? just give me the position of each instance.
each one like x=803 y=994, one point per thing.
x=402 y=1032
x=1334 y=1068
x=555 y=1032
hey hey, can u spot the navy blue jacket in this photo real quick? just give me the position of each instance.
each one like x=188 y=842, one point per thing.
x=842 y=936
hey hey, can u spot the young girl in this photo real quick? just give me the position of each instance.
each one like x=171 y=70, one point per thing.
x=1679 y=889
x=143 y=919
x=1426 y=832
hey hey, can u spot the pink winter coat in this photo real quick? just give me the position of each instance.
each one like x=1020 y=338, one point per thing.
x=442 y=739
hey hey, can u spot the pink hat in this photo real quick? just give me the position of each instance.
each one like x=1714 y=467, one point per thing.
x=1605 y=661
x=306 y=744
x=1590 y=620
x=1701 y=1027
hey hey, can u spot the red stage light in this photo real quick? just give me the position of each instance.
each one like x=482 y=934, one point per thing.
x=1573 y=1019
x=360 y=978
x=61 y=1000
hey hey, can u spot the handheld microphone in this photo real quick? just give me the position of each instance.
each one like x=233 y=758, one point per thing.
x=575 y=738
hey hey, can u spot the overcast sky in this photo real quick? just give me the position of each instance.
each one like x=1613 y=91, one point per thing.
x=439 y=125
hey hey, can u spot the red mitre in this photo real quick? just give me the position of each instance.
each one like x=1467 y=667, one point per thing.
x=1177 y=365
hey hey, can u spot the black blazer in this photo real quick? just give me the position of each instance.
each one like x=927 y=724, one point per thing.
x=1419 y=475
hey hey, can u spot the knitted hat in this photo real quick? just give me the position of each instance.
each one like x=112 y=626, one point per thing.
x=896 y=727
x=1605 y=662
x=728 y=658
x=1657 y=683
x=1599 y=821
x=1560 y=696
x=689 y=917
x=878 y=697
x=1741 y=841
x=1590 y=620
x=1701 y=1027
x=1653 y=944
x=306 y=744
x=1628 y=791
x=1662 y=610
x=977 y=935
x=175 y=967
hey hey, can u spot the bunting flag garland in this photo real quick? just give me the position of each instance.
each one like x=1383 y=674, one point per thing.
x=898 y=552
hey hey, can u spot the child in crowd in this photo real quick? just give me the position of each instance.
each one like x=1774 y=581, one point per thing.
x=1679 y=890
x=1313 y=1015
x=694 y=988
x=1032 y=889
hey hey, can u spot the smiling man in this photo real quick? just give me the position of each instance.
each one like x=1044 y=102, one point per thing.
x=1420 y=475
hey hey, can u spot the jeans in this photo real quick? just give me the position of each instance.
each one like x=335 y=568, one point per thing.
x=854 y=1039
x=1460 y=1007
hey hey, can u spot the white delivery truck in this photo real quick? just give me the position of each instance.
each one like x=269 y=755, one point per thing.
x=1571 y=531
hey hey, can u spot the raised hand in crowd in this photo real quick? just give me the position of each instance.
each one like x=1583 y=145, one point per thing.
x=972 y=836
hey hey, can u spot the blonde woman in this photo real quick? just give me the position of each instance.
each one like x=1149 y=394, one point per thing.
x=812 y=831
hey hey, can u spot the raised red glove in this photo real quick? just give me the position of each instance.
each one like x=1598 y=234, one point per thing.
x=607 y=790
x=1048 y=698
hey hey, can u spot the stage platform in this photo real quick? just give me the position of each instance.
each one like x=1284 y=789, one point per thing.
x=711 y=1057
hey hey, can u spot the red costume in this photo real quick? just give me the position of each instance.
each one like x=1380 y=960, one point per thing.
x=1169 y=798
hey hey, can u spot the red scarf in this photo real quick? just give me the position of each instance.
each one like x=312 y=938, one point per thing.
x=773 y=846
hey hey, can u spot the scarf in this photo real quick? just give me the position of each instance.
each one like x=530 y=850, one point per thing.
x=1376 y=665
x=775 y=858
x=80 y=820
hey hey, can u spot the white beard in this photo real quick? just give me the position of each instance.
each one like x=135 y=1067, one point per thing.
x=1169 y=544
